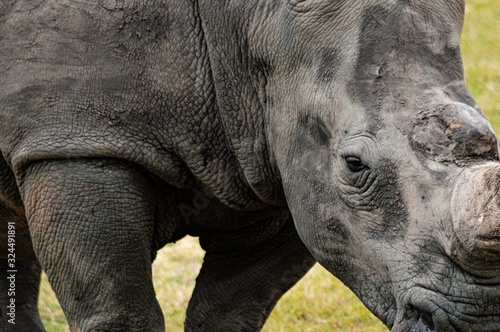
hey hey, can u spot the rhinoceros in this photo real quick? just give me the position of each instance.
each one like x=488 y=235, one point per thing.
x=280 y=132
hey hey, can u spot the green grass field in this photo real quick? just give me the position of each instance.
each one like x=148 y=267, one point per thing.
x=319 y=302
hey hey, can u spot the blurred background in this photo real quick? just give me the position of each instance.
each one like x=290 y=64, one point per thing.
x=319 y=302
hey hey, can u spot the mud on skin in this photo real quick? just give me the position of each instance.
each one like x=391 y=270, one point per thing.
x=282 y=133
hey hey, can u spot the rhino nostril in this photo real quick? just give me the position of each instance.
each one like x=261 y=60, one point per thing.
x=424 y=322
x=491 y=236
x=488 y=228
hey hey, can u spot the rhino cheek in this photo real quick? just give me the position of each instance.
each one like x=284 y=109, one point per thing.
x=347 y=240
x=336 y=247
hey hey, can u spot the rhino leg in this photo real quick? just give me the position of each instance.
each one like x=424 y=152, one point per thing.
x=26 y=286
x=91 y=222
x=237 y=291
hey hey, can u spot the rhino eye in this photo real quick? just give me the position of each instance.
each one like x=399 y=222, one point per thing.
x=355 y=164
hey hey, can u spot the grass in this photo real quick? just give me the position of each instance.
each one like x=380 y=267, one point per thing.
x=319 y=302
x=481 y=54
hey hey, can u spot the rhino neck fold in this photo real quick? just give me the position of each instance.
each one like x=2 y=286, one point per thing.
x=241 y=102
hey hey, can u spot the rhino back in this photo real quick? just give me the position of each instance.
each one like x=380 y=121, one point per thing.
x=129 y=80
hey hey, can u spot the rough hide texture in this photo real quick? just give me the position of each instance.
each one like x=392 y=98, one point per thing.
x=280 y=132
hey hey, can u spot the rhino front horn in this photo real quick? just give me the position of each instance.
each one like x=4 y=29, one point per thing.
x=475 y=212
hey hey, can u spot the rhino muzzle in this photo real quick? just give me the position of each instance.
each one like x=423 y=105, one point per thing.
x=475 y=213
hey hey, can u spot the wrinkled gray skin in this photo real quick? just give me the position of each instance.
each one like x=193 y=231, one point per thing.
x=280 y=132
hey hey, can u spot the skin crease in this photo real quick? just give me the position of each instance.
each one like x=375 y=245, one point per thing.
x=280 y=132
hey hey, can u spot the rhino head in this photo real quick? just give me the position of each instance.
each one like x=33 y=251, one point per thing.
x=389 y=166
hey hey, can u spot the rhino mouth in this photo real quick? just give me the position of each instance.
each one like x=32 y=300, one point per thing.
x=445 y=298
x=429 y=317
